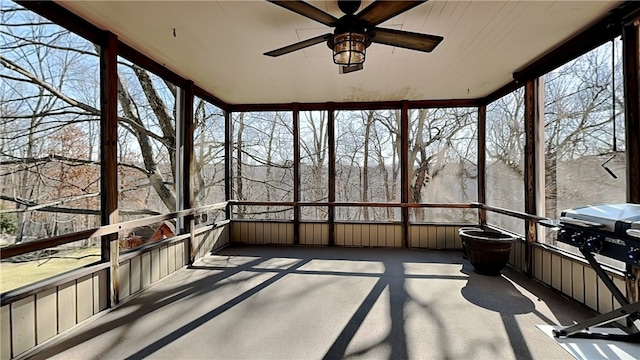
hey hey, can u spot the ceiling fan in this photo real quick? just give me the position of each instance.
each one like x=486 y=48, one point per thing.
x=354 y=33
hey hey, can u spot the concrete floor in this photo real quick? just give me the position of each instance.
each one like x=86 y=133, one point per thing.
x=311 y=303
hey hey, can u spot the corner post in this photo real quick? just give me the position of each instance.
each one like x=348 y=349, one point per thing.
x=109 y=248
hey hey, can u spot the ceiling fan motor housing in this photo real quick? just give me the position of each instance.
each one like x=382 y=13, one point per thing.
x=349 y=6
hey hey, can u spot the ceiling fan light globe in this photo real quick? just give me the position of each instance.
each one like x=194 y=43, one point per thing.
x=349 y=48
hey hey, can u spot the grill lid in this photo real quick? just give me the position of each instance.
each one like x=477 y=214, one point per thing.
x=615 y=218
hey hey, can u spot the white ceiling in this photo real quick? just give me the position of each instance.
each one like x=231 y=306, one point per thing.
x=220 y=45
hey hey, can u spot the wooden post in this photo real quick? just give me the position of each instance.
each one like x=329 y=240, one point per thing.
x=109 y=157
x=482 y=155
x=331 y=134
x=296 y=174
x=185 y=161
x=531 y=125
x=404 y=172
x=631 y=59
x=228 y=181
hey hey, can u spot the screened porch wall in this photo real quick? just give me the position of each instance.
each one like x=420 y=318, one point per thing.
x=51 y=310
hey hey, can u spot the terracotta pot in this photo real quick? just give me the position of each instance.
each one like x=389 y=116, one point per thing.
x=488 y=251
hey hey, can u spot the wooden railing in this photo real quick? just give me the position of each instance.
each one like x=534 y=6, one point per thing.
x=27 y=247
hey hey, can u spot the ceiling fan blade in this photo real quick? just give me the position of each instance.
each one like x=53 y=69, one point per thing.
x=382 y=10
x=299 y=45
x=406 y=39
x=306 y=10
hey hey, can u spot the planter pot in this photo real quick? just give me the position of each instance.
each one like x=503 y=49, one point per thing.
x=488 y=251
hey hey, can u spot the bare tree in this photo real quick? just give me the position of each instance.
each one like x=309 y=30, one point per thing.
x=50 y=89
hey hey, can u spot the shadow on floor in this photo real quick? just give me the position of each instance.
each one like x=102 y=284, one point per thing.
x=497 y=294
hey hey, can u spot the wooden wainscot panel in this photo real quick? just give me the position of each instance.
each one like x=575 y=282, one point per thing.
x=620 y=283
x=324 y=240
x=136 y=274
x=84 y=294
x=200 y=244
x=356 y=234
x=180 y=254
x=250 y=234
x=605 y=298
x=123 y=279
x=317 y=234
x=224 y=236
x=577 y=281
x=101 y=292
x=46 y=315
x=457 y=239
x=275 y=231
x=590 y=288
x=310 y=233
x=451 y=237
x=321 y=234
x=274 y=234
x=204 y=241
x=244 y=233
x=23 y=324
x=537 y=262
x=396 y=233
x=567 y=277
x=236 y=231
x=155 y=265
x=519 y=247
x=546 y=267
x=171 y=258
x=306 y=234
x=382 y=235
x=145 y=266
x=5 y=332
x=241 y=233
x=195 y=244
x=432 y=236
x=513 y=256
x=164 y=262
x=386 y=234
x=347 y=234
x=441 y=233
x=389 y=233
x=556 y=271
x=415 y=241
x=263 y=232
x=210 y=241
x=290 y=230
x=284 y=236
x=255 y=236
x=66 y=306
x=370 y=234
x=388 y=239
x=341 y=239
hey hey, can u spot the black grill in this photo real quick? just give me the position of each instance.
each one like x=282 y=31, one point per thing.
x=612 y=231
x=609 y=230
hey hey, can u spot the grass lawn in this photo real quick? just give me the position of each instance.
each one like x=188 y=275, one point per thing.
x=14 y=275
